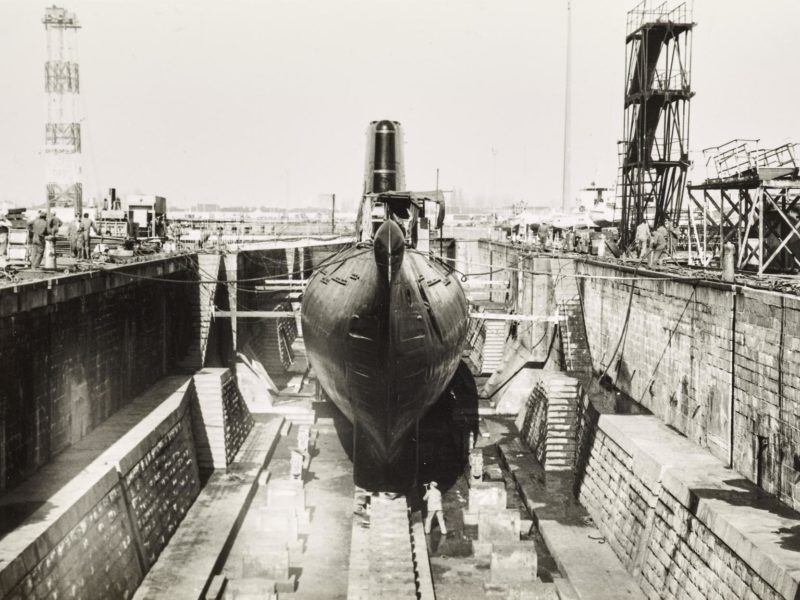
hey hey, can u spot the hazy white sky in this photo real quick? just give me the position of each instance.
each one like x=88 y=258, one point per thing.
x=266 y=101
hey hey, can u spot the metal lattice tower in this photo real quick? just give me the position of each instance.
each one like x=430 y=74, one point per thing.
x=654 y=153
x=62 y=129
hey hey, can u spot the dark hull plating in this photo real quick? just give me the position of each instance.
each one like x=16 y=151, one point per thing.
x=384 y=351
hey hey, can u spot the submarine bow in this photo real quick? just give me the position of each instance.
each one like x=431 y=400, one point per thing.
x=384 y=326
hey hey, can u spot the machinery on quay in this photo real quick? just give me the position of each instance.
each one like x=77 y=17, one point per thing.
x=384 y=322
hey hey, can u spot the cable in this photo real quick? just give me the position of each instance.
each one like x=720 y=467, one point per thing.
x=576 y=275
x=623 y=335
x=228 y=282
x=669 y=342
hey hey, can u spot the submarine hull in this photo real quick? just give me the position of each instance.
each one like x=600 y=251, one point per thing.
x=384 y=347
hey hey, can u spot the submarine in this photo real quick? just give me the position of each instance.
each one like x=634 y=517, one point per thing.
x=384 y=320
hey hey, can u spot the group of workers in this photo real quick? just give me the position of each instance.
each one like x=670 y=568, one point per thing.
x=46 y=225
x=654 y=246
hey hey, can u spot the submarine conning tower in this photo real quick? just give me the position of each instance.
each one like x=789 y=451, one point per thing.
x=384 y=170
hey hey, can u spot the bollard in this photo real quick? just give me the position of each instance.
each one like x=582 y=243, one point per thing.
x=727 y=262
x=50 y=253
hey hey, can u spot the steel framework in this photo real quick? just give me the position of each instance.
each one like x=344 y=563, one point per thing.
x=654 y=152
x=753 y=201
x=62 y=143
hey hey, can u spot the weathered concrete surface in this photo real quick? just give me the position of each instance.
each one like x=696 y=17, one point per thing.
x=381 y=555
x=708 y=359
x=88 y=528
x=200 y=545
x=678 y=517
x=221 y=418
x=329 y=494
x=577 y=546
x=77 y=348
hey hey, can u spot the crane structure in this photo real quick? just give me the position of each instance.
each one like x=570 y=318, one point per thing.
x=62 y=128
x=654 y=152
x=750 y=199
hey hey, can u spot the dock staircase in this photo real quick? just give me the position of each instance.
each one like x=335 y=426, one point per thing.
x=548 y=424
x=572 y=329
x=202 y=311
x=486 y=341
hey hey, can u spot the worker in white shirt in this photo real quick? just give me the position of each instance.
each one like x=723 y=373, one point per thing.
x=433 y=497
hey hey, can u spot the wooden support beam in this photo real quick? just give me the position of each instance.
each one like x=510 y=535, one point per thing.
x=513 y=317
x=483 y=284
x=255 y=314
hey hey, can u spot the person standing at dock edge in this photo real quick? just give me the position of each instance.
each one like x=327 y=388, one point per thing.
x=433 y=498
x=643 y=239
x=662 y=243
x=85 y=246
x=38 y=229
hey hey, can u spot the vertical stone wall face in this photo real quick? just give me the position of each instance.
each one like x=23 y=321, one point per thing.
x=96 y=557
x=107 y=527
x=67 y=365
x=679 y=358
x=767 y=392
x=162 y=486
x=612 y=493
x=659 y=539
x=684 y=558
x=270 y=340
x=493 y=257
x=236 y=417
x=536 y=299
x=675 y=356
x=533 y=429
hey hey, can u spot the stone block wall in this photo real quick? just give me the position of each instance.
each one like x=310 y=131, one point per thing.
x=237 y=419
x=532 y=422
x=694 y=351
x=162 y=484
x=270 y=340
x=767 y=392
x=531 y=292
x=89 y=553
x=618 y=499
x=684 y=558
x=493 y=256
x=100 y=533
x=75 y=351
x=221 y=419
x=675 y=355
x=674 y=543
x=548 y=421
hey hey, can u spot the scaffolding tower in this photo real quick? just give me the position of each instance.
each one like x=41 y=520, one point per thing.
x=62 y=128
x=752 y=200
x=654 y=152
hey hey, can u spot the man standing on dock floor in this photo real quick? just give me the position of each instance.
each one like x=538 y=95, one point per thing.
x=433 y=497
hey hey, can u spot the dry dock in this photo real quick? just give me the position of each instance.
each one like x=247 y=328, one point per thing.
x=150 y=427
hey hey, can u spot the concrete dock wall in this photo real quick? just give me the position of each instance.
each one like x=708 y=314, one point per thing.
x=680 y=522
x=675 y=356
x=74 y=349
x=102 y=531
x=530 y=291
x=716 y=363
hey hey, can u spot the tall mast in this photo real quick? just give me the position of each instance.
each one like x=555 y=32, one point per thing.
x=565 y=192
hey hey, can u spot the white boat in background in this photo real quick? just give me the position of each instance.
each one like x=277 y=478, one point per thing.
x=591 y=211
